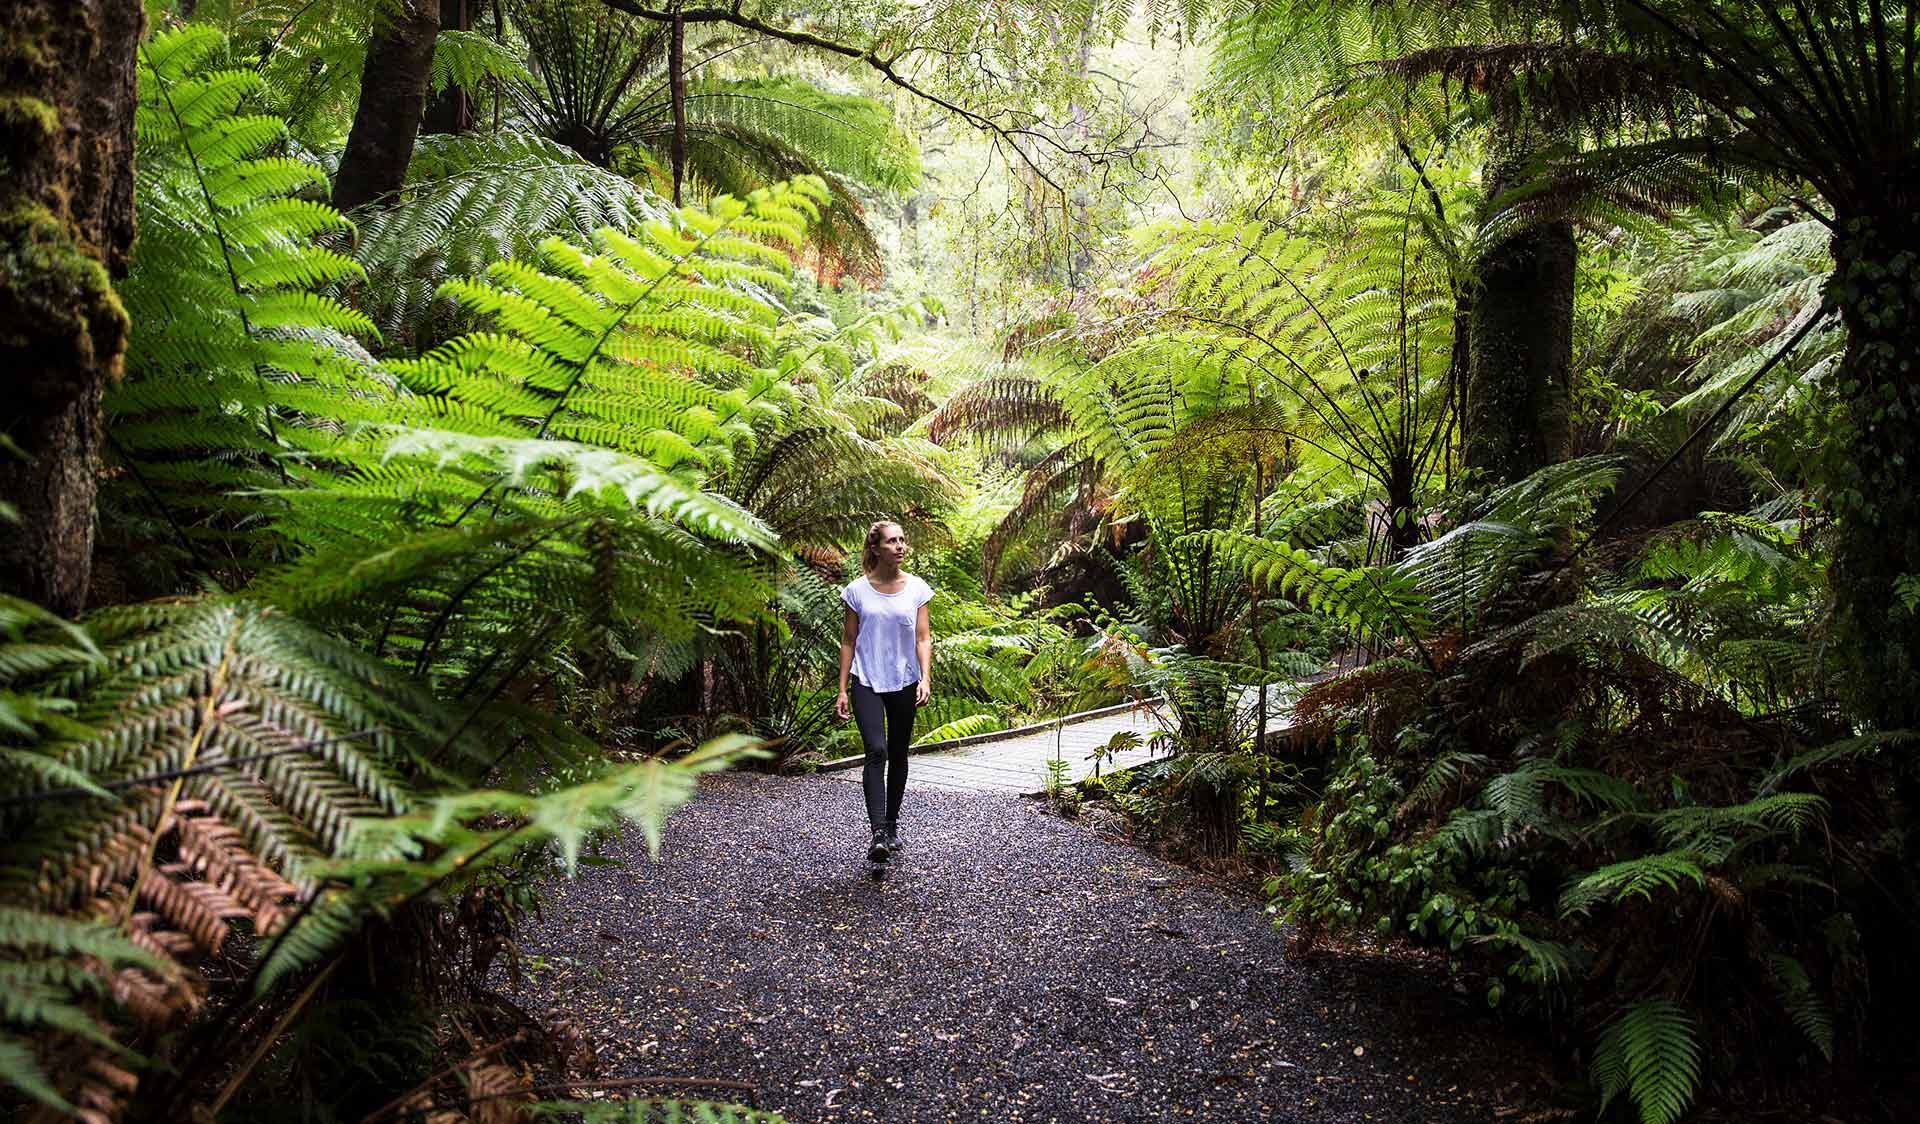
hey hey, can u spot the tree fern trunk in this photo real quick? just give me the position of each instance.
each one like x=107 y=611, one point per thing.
x=452 y=111
x=393 y=95
x=1520 y=353
x=677 y=90
x=66 y=224
x=1876 y=286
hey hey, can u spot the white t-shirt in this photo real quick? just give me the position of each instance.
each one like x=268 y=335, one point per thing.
x=883 y=651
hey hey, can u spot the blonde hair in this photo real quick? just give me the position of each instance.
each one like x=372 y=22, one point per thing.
x=870 y=553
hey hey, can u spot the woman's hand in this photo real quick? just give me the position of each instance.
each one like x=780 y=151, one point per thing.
x=840 y=706
x=922 y=692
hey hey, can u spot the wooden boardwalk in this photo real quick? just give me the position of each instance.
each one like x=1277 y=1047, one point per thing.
x=1015 y=761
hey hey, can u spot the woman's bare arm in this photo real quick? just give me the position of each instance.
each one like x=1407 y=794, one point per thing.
x=923 y=647
x=849 y=632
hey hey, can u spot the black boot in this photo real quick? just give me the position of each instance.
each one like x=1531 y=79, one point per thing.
x=892 y=838
x=877 y=851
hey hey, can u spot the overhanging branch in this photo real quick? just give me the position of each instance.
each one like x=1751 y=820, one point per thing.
x=885 y=66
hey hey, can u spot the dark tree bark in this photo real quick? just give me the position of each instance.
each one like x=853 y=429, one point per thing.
x=451 y=111
x=393 y=96
x=1876 y=490
x=1520 y=355
x=66 y=226
x=677 y=88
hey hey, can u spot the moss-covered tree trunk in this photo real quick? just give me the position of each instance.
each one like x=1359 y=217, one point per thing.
x=1520 y=355
x=66 y=226
x=1876 y=287
x=393 y=97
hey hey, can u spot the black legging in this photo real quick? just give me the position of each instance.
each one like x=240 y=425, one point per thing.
x=885 y=719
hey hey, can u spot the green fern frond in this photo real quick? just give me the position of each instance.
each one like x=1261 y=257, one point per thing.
x=1710 y=829
x=468 y=60
x=228 y=323
x=1865 y=745
x=1376 y=601
x=846 y=135
x=1555 y=965
x=475 y=199
x=1651 y=1053
x=965 y=726
x=1638 y=877
x=1465 y=569
x=1447 y=771
x=1804 y=1006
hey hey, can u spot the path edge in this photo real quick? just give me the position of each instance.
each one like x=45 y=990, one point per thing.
x=998 y=735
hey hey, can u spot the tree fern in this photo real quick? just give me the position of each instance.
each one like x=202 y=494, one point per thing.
x=845 y=135
x=1377 y=602
x=223 y=295
x=243 y=748
x=1650 y=1053
x=474 y=199
x=312 y=54
x=1468 y=568
x=601 y=346
x=614 y=385
x=601 y=87
x=261 y=775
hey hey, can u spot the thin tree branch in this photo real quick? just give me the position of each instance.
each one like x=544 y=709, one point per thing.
x=885 y=66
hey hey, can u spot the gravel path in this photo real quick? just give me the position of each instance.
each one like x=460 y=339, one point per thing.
x=1007 y=966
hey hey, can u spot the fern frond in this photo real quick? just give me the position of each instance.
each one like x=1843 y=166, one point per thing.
x=1804 y=1005
x=475 y=199
x=1651 y=1053
x=1865 y=745
x=1556 y=965
x=1637 y=877
x=1375 y=601
x=965 y=726
x=227 y=319
x=468 y=60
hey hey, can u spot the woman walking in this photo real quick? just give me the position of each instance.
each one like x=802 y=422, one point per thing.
x=887 y=647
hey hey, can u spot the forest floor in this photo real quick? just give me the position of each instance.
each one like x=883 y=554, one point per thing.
x=1007 y=966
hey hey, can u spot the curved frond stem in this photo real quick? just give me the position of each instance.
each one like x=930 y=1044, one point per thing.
x=208 y=710
x=1812 y=321
x=1783 y=118
x=447 y=612
x=1335 y=420
x=226 y=254
x=585 y=363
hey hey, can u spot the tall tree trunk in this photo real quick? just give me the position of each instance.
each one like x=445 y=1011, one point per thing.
x=1520 y=354
x=677 y=90
x=66 y=226
x=451 y=111
x=1876 y=287
x=393 y=95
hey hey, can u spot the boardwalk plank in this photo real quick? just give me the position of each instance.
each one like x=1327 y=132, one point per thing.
x=1018 y=762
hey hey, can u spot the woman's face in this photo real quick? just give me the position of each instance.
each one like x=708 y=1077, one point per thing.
x=893 y=544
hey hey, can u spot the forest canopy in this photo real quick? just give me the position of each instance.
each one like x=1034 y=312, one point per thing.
x=440 y=430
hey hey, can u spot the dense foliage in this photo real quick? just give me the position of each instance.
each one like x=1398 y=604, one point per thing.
x=1486 y=429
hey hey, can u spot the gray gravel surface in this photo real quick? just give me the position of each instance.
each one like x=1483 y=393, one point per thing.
x=1008 y=965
